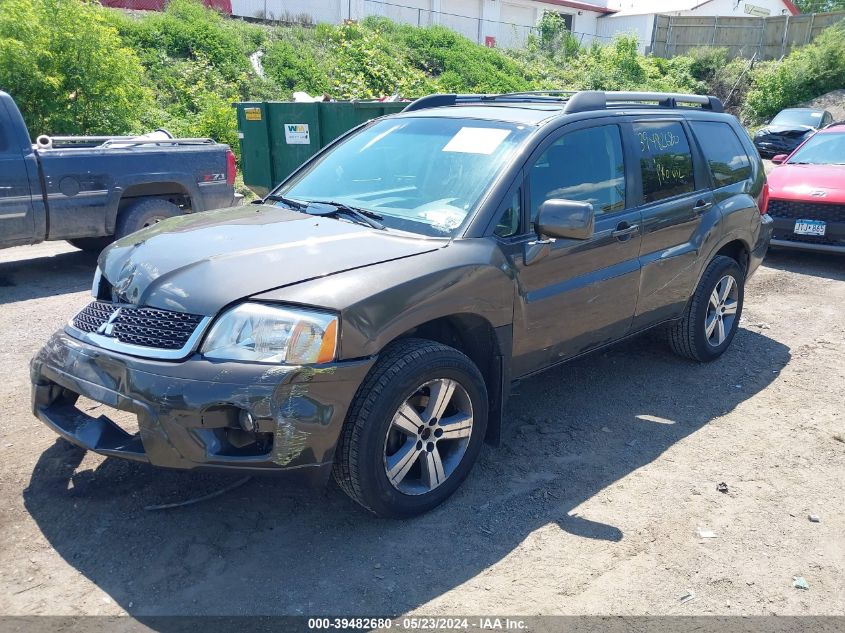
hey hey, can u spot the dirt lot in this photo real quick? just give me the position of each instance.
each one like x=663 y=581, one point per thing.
x=608 y=468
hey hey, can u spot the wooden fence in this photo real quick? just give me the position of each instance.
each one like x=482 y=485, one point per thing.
x=769 y=38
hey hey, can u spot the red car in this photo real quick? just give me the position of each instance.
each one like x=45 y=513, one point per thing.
x=807 y=193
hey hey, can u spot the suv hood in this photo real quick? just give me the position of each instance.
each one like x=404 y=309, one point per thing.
x=200 y=263
x=794 y=130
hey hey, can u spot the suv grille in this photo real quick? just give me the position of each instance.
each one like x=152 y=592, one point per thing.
x=147 y=327
x=807 y=210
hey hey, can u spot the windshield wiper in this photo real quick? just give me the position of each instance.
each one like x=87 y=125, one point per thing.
x=321 y=207
x=293 y=204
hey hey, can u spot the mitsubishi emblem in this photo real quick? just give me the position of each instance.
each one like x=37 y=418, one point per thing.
x=106 y=328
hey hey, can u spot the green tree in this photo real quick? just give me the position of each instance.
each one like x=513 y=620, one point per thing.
x=820 y=6
x=68 y=69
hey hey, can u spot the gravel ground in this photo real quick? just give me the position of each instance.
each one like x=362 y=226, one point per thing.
x=608 y=469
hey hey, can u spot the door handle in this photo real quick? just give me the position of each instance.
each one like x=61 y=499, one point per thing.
x=624 y=231
x=702 y=205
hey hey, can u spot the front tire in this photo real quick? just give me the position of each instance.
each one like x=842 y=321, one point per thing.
x=414 y=429
x=712 y=315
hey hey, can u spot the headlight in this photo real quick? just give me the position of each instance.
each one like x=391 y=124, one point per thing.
x=263 y=333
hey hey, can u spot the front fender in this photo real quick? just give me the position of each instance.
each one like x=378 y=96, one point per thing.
x=379 y=303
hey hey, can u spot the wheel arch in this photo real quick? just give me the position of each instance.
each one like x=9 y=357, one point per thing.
x=175 y=191
x=488 y=347
x=738 y=250
x=733 y=246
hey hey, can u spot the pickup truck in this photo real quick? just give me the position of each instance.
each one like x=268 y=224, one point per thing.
x=93 y=190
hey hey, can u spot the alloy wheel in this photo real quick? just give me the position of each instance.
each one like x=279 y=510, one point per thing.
x=721 y=311
x=428 y=436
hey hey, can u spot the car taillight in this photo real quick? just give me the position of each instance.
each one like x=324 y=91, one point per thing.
x=231 y=167
x=763 y=200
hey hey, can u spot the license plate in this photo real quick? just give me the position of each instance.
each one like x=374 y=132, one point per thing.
x=810 y=227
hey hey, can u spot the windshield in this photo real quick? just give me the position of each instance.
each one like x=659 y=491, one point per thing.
x=821 y=149
x=806 y=118
x=423 y=175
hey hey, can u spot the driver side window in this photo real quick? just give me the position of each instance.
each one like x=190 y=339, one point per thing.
x=585 y=165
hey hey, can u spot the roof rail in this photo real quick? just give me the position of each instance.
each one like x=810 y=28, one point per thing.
x=582 y=101
x=443 y=100
x=587 y=100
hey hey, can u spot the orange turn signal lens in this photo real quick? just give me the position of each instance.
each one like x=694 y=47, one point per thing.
x=328 y=347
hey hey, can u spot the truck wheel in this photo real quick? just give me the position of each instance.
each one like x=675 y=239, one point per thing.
x=91 y=244
x=712 y=315
x=414 y=429
x=144 y=213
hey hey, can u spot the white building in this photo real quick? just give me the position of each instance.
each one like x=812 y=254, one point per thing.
x=636 y=17
x=506 y=23
x=500 y=23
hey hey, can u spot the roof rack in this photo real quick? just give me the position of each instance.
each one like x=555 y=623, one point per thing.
x=582 y=101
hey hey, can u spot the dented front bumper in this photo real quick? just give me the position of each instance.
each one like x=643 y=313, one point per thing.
x=188 y=412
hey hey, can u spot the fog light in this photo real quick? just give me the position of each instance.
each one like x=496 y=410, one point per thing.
x=246 y=421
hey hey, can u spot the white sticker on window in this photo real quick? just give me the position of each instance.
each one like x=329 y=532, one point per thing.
x=297 y=134
x=816 y=115
x=445 y=219
x=476 y=140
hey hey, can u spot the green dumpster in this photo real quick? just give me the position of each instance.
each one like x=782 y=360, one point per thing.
x=276 y=137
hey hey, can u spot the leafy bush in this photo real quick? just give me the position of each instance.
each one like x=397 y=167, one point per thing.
x=194 y=99
x=293 y=62
x=188 y=30
x=68 y=69
x=804 y=74
x=365 y=65
x=553 y=38
x=455 y=63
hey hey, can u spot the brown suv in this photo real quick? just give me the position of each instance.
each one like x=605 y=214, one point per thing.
x=369 y=316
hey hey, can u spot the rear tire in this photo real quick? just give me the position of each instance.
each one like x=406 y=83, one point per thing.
x=144 y=213
x=394 y=457
x=712 y=315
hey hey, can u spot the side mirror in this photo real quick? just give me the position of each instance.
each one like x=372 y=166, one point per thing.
x=566 y=219
x=780 y=158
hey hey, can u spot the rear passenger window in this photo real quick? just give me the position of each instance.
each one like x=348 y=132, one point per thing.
x=585 y=165
x=665 y=160
x=726 y=158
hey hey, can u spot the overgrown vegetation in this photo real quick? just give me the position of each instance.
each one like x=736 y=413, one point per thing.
x=75 y=67
x=804 y=74
x=67 y=66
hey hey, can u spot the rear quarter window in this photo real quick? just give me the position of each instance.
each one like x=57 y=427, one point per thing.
x=723 y=151
x=665 y=160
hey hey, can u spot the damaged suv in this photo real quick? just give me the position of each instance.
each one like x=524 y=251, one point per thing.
x=368 y=317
